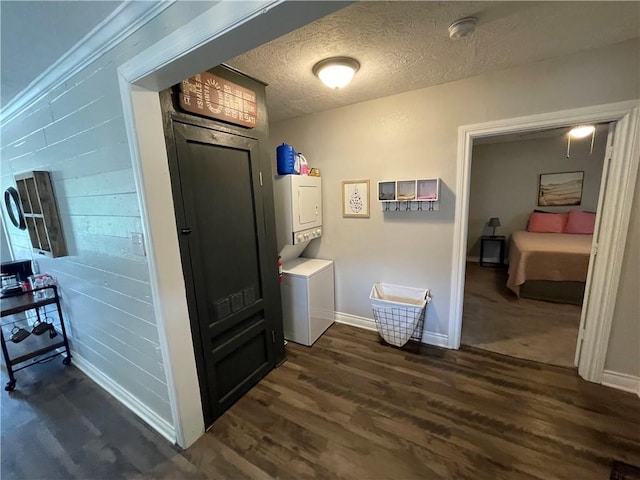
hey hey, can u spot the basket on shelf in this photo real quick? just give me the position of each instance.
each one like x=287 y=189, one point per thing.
x=399 y=312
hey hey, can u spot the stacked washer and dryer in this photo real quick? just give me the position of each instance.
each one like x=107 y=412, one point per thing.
x=308 y=302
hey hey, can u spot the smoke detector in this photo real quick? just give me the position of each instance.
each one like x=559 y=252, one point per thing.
x=462 y=27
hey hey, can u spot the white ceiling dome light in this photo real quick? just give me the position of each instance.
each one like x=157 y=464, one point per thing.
x=336 y=72
x=462 y=27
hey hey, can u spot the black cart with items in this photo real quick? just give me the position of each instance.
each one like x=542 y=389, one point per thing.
x=35 y=334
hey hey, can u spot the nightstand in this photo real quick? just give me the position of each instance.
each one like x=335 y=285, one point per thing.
x=501 y=241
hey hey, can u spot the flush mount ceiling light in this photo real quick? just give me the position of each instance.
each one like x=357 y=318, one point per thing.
x=581 y=131
x=336 y=72
x=462 y=27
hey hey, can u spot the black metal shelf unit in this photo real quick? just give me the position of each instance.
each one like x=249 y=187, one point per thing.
x=38 y=341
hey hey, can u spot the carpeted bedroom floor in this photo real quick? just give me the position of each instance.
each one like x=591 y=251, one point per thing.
x=495 y=319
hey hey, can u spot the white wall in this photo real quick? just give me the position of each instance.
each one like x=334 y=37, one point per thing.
x=624 y=343
x=505 y=176
x=415 y=134
x=77 y=133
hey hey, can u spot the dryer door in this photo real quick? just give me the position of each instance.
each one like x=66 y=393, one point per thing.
x=307 y=198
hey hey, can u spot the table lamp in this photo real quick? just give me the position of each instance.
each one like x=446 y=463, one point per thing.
x=494 y=222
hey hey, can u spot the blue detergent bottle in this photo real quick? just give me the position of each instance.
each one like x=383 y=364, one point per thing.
x=286 y=159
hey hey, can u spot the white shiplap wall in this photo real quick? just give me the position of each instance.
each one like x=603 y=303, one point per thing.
x=76 y=132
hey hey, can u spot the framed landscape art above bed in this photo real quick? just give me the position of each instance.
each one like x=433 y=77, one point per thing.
x=560 y=189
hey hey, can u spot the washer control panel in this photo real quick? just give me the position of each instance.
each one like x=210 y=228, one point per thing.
x=306 y=235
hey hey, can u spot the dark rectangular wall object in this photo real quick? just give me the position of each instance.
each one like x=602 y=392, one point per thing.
x=41 y=213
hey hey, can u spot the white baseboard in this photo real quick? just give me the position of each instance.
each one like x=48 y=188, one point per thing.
x=621 y=381
x=430 y=338
x=355 y=321
x=473 y=259
x=436 y=339
x=156 y=422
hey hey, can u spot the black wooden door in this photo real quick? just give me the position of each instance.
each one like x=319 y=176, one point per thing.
x=224 y=240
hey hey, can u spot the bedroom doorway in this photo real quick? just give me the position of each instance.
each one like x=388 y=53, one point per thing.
x=512 y=220
x=612 y=223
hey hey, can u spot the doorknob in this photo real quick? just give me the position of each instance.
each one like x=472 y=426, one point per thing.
x=185 y=231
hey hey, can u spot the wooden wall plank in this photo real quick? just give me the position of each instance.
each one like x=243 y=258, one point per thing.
x=29 y=144
x=140 y=309
x=120 y=181
x=32 y=121
x=123 y=284
x=98 y=84
x=102 y=159
x=120 y=205
x=134 y=268
x=149 y=363
x=106 y=226
x=80 y=244
x=103 y=107
x=123 y=363
x=86 y=308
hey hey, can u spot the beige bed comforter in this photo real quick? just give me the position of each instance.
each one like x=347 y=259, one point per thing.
x=547 y=256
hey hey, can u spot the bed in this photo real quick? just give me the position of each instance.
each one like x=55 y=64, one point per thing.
x=549 y=266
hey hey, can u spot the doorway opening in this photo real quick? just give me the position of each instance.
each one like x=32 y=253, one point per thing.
x=611 y=223
x=532 y=210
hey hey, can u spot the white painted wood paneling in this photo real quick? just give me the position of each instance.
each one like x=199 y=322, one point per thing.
x=107 y=158
x=80 y=244
x=82 y=119
x=125 y=285
x=135 y=269
x=76 y=131
x=32 y=120
x=95 y=86
x=120 y=181
x=26 y=146
x=125 y=205
x=105 y=226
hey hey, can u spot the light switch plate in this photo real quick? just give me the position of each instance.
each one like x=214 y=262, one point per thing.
x=137 y=244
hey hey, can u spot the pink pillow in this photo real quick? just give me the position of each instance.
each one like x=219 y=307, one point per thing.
x=547 y=222
x=580 y=222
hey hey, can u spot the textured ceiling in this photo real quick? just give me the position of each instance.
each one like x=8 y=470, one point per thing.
x=34 y=34
x=403 y=46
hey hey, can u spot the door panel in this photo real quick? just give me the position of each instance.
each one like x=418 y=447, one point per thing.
x=225 y=232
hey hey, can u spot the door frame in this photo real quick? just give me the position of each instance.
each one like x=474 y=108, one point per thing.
x=614 y=218
x=224 y=31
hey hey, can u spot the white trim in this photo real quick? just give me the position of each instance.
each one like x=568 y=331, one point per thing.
x=436 y=339
x=475 y=259
x=621 y=381
x=430 y=338
x=150 y=170
x=356 y=321
x=122 y=22
x=614 y=226
x=158 y=423
x=192 y=48
x=615 y=215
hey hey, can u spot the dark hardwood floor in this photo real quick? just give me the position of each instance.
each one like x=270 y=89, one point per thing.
x=59 y=424
x=348 y=407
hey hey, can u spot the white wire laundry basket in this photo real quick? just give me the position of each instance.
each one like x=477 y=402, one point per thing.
x=399 y=312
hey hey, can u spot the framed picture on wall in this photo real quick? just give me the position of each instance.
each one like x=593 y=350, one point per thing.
x=560 y=189
x=355 y=198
